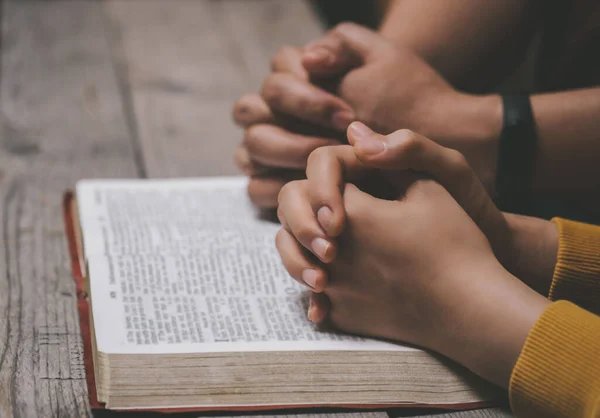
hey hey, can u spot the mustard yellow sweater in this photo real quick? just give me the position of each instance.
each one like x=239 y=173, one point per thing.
x=558 y=371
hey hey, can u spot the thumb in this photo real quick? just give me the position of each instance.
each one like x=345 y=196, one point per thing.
x=359 y=205
x=345 y=47
x=406 y=150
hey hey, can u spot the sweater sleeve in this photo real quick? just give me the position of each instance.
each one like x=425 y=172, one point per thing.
x=558 y=371
x=577 y=272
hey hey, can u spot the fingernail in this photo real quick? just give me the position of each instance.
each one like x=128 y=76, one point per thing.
x=360 y=130
x=342 y=118
x=310 y=276
x=366 y=140
x=324 y=216
x=320 y=247
x=319 y=54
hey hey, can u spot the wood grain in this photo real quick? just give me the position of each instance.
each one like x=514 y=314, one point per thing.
x=61 y=119
x=118 y=89
x=478 y=413
x=186 y=62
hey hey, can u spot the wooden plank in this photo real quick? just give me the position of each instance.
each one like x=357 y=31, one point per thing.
x=400 y=413
x=188 y=61
x=61 y=119
x=261 y=28
x=479 y=413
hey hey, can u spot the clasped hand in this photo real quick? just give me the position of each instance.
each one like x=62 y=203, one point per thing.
x=352 y=73
x=415 y=268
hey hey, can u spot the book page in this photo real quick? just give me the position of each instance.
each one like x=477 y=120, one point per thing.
x=165 y=216
x=217 y=285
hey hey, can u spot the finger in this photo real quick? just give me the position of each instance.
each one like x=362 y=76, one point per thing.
x=251 y=109
x=263 y=191
x=245 y=164
x=318 y=310
x=364 y=42
x=406 y=150
x=298 y=264
x=328 y=169
x=359 y=205
x=287 y=94
x=274 y=146
x=288 y=59
x=329 y=56
x=343 y=48
x=302 y=222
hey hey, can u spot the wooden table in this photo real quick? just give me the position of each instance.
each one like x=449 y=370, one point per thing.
x=113 y=88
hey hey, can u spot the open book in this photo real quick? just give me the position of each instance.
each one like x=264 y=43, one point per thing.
x=185 y=304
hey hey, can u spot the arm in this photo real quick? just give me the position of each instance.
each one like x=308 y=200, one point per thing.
x=473 y=44
x=506 y=331
x=560 y=259
x=493 y=42
x=569 y=144
x=566 y=164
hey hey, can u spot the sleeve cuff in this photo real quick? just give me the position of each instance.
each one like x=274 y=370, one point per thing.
x=558 y=371
x=577 y=272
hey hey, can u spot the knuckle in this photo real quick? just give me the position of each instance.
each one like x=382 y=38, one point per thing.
x=252 y=138
x=457 y=159
x=241 y=157
x=344 y=27
x=242 y=107
x=407 y=136
x=261 y=194
x=253 y=192
x=283 y=54
x=271 y=90
x=253 y=189
x=412 y=142
x=279 y=239
x=280 y=215
x=288 y=190
x=458 y=162
x=320 y=155
x=304 y=233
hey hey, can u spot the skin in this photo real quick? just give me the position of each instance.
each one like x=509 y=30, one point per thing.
x=526 y=246
x=474 y=56
x=416 y=269
x=393 y=84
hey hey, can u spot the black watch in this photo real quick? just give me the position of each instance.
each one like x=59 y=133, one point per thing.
x=516 y=153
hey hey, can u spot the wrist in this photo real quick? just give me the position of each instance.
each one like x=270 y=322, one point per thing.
x=472 y=124
x=533 y=251
x=494 y=323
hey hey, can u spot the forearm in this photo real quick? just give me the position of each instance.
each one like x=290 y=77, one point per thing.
x=568 y=130
x=534 y=249
x=559 y=259
x=568 y=126
x=471 y=43
x=493 y=334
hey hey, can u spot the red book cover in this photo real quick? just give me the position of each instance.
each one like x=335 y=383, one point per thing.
x=83 y=307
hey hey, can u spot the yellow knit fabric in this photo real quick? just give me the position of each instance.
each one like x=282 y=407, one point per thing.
x=558 y=371
x=577 y=271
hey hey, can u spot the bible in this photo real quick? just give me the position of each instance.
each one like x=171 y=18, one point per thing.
x=185 y=305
